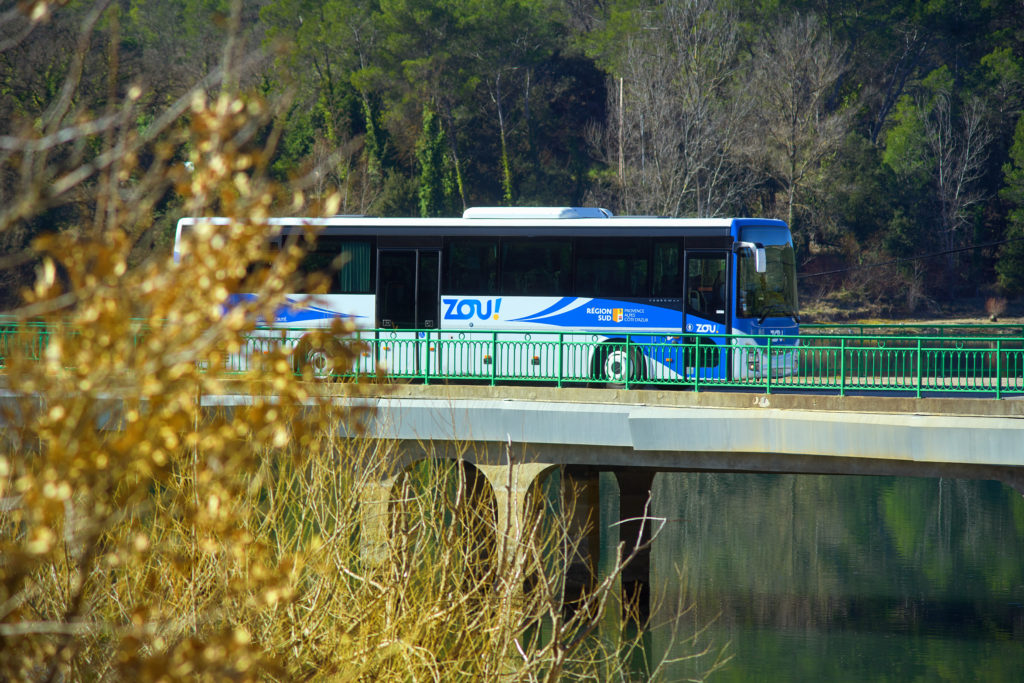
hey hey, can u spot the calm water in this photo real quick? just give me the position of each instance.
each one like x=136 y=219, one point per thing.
x=827 y=578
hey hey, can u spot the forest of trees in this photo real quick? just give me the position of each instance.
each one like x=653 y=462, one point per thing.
x=883 y=132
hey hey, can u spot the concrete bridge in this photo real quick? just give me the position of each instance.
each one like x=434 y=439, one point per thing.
x=616 y=441
x=513 y=435
x=711 y=431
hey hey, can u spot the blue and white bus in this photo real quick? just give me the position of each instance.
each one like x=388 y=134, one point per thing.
x=634 y=291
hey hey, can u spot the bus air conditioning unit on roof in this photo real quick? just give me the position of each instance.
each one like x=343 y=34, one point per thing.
x=536 y=212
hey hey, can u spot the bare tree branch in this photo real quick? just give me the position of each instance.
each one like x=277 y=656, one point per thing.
x=682 y=123
x=795 y=125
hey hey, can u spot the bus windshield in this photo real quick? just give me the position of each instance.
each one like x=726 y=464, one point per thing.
x=771 y=294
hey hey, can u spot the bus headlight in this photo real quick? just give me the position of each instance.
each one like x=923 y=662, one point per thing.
x=754 y=362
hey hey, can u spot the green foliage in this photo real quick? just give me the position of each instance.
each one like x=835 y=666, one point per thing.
x=907 y=156
x=399 y=196
x=1004 y=75
x=616 y=22
x=1010 y=266
x=375 y=141
x=436 y=178
x=905 y=234
x=906 y=146
x=297 y=143
x=861 y=199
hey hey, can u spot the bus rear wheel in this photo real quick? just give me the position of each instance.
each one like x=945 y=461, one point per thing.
x=619 y=365
x=318 y=358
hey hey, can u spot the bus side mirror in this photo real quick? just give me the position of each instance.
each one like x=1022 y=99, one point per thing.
x=760 y=258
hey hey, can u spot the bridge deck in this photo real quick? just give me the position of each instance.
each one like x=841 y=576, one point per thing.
x=708 y=431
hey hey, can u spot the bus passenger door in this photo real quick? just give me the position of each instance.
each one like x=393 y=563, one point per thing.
x=408 y=305
x=428 y=290
x=706 y=303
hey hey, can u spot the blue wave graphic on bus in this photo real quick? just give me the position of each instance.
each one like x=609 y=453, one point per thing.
x=294 y=311
x=561 y=303
x=606 y=313
x=292 y=314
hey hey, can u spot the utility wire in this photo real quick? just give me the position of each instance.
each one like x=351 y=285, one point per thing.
x=911 y=259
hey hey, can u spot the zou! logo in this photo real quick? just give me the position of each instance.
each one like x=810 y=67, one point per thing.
x=464 y=309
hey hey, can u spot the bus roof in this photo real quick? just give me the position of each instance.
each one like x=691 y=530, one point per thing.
x=527 y=221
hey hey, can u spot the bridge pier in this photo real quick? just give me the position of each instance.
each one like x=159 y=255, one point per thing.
x=512 y=485
x=618 y=503
x=623 y=527
x=375 y=519
x=609 y=536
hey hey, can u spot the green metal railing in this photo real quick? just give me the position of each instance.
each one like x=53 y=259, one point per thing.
x=28 y=338
x=918 y=329
x=919 y=365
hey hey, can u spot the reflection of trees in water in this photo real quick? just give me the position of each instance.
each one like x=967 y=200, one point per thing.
x=801 y=551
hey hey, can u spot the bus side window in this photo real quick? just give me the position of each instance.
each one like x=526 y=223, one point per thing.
x=668 y=282
x=355 y=275
x=615 y=267
x=316 y=271
x=256 y=272
x=345 y=266
x=471 y=266
x=535 y=267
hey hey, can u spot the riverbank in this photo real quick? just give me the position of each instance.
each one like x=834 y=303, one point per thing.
x=969 y=311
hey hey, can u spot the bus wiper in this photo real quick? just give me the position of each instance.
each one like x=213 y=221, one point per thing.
x=789 y=314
